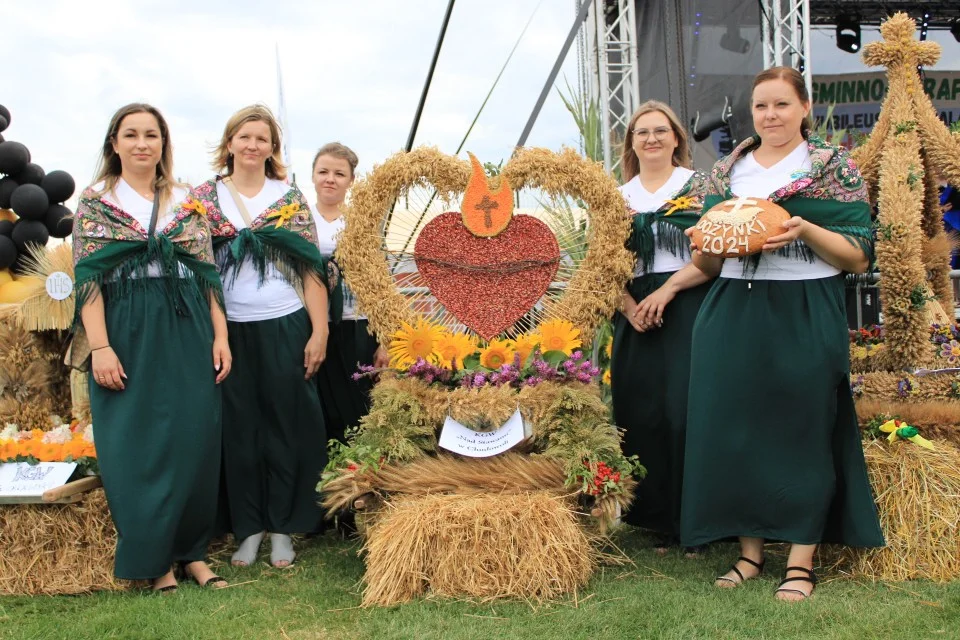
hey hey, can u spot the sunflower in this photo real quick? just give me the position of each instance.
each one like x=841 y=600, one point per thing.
x=606 y=377
x=524 y=344
x=559 y=335
x=452 y=348
x=609 y=348
x=410 y=343
x=496 y=354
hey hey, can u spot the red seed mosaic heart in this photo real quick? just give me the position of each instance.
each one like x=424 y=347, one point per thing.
x=487 y=283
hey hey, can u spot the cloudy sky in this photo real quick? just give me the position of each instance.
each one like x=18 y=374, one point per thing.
x=352 y=71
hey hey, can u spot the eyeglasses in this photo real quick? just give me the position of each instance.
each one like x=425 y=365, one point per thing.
x=659 y=133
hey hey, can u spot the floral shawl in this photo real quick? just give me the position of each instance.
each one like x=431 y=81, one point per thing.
x=832 y=194
x=673 y=218
x=285 y=235
x=110 y=245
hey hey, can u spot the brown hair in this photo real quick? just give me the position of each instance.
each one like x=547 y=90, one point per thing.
x=109 y=167
x=337 y=150
x=223 y=159
x=630 y=164
x=795 y=79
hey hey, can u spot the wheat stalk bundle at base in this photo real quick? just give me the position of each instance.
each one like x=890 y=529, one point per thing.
x=918 y=498
x=58 y=549
x=525 y=545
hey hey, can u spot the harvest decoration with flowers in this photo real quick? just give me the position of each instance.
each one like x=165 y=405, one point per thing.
x=431 y=359
x=65 y=443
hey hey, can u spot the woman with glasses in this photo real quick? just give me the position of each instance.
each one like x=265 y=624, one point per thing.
x=651 y=343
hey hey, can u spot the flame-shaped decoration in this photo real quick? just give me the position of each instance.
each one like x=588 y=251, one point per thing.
x=485 y=213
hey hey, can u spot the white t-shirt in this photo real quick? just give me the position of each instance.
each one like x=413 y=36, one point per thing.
x=140 y=209
x=749 y=179
x=246 y=299
x=644 y=202
x=327 y=237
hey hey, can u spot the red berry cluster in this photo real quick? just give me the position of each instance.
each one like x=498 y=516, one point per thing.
x=601 y=477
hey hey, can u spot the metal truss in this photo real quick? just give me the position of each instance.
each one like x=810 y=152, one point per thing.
x=785 y=25
x=608 y=63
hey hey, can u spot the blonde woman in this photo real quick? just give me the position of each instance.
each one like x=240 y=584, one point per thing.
x=651 y=346
x=147 y=295
x=274 y=441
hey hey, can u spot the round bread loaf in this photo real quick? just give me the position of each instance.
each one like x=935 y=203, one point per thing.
x=738 y=227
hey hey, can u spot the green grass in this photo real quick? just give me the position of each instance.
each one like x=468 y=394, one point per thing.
x=669 y=597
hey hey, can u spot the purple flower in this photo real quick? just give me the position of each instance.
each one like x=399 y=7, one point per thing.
x=479 y=380
x=356 y=376
x=576 y=355
x=904 y=388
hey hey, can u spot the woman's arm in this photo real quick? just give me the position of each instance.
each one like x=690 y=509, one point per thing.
x=107 y=370
x=650 y=310
x=315 y=300
x=222 y=358
x=829 y=245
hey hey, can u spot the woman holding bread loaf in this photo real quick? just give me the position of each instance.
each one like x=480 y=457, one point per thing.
x=650 y=367
x=773 y=449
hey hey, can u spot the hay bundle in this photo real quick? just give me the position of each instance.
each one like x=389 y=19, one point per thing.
x=525 y=545
x=936 y=419
x=57 y=549
x=918 y=496
x=448 y=474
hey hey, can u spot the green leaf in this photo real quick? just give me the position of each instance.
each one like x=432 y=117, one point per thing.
x=471 y=362
x=555 y=358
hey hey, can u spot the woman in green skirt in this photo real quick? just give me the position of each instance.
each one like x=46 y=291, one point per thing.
x=274 y=441
x=149 y=297
x=773 y=447
x=650 y=367
x=344 y=399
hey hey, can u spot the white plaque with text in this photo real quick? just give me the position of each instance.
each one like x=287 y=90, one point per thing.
x=19 y=479
x=481 y=444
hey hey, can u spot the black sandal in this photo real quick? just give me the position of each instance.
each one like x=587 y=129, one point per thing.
x=758 y=565
x=209 y=582
x=811 y=577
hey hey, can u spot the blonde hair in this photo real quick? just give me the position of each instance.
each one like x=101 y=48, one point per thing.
x=109 y=168
x=223 y=159
x=337 y=150
x=630 y=164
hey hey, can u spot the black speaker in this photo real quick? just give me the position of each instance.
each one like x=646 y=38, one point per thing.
x=863 y=310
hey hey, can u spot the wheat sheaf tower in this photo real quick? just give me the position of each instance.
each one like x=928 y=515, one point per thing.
x=909 y=149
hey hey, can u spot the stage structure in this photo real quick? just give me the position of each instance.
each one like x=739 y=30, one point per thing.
x=700 y=57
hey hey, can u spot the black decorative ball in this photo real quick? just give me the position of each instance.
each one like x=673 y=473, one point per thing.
x=7 y=187
x=59 y=185
x=4 y=123
x=8 y=252
x=13 y=157
x=6 y=228
x=29 y=201
x=5 y=113
x=29 y=231
x=59 y=221
x=30 y=174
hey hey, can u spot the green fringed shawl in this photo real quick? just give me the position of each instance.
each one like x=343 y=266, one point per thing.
x=673 y=218
x=110 y=248
x=284 y=235
x=831 y=195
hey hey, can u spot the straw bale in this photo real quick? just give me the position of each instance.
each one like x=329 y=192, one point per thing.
x=526 y=545
x=936 y=419
x=54 y=549
x=918 y=497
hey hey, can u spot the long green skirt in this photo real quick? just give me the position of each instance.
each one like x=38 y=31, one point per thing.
x=158 y=440
x=274 y=440
x=650 y=373
x=773 y=447
x=345 y=400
